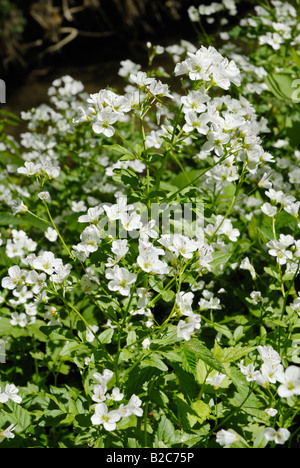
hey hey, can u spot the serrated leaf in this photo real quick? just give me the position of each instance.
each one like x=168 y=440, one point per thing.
x=244 y=399
x=165 y=431
x=187 y=382
x=194 y=350
x=19 y=415
x=154 y=361
x=201 y=372
x=202 y=411
x=232 y=353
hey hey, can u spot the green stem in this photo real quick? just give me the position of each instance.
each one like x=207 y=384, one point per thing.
x=37 y=217
x=146 y=412
x=70 y=306
x=57 y=231
x=237 y=190
x=122 y=326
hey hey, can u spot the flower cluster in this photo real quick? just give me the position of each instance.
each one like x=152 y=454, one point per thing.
x=152 y=231
x=104 y=416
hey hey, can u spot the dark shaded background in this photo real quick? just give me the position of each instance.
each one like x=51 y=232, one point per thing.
x=31 y=31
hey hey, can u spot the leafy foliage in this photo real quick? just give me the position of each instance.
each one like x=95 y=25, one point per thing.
x=150 y=253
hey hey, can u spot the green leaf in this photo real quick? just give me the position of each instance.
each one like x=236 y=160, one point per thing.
x=220 y=258
x=168 y=295
x=296 y=58
x=120 y=150
x=106 y=336
x=201 y=372
x=187 y=383
x=18 y=415
x=194 y=350
x=131 y=338
x=6 y=219
x=5 y=325
x=281 y=85
x=244 y=399
x=154 y=361
x=202 y=411
x=165 y=432
x=292 y=123
x=232 y=353
x=272 y=271
x=68 y=348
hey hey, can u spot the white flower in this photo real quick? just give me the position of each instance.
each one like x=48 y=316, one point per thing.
x=121 y=279
x=194 y=101
x=44 y=196
x=185 y=302
x=92 y=214
x=249 y=371
x=7 y=433
x=290 y=382
x=273 y=39
x=79 y=206
x=91 y=332
x=182 y=245
x=193 y=13
x=269 y=374
x=131 y=221
x=268 y=354
x=105 y=377
x=18 y=319
x=132 y=407
x=271 y=411
x=29 y=168
x=279 y=437
x=51 y=234
x=90 y=238
x=146 y=343
x=128 y=67
x=148 y=258
x=184 y=330
x=46 y=262
x=196 y=122
x=120 y=248
x=104 y=417
x=10 y=393
x=278 y=249
x=14 y=279
x=226 y=437
x=147 y=231
x=18 y=206
x=246 y=265
x=269 y=209
x=140 y=78
x=104 y=123
x=265 y=182
x=115 y=395
x=22 y=294
x=99 y=393
x=52 y=315
x=117 y=210
x=216 y=380
x=208 y=65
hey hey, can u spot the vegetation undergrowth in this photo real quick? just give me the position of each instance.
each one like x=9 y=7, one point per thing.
x=150 y=252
